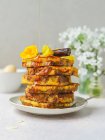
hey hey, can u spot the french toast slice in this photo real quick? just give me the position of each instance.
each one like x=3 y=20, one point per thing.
x=28 y=102
x=52 y=98
x=34 y=89
x=56 y=80
x=46 y=61
x=53 y=70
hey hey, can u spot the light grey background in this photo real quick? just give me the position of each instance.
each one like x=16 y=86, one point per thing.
x=19 y=23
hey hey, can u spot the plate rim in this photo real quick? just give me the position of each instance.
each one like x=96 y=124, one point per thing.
x=38 y=108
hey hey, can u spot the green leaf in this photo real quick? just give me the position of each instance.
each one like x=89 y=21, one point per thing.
x=81 y=37
x=72 y=47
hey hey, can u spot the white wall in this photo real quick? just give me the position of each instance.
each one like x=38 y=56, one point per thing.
x=19 y=23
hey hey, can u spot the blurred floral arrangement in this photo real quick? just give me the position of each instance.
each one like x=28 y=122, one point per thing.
x=89 y=46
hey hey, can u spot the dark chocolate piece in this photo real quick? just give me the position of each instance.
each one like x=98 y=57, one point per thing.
x=62 y=52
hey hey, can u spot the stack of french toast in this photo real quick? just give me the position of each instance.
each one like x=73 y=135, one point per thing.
x=48 y=77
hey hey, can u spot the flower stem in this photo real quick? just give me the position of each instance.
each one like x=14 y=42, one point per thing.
x=96 y=68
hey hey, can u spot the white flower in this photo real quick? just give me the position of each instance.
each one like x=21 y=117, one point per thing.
x=98 y=72
x=99 y=59
x=88 y=45
x=95 y=74
x=89 y=54
x=96 y=43
x=82 y=71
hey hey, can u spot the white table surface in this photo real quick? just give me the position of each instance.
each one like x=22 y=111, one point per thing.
x=87 y=124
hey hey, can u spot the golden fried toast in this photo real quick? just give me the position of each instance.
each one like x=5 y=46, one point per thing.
x=40 y=59
x=46 y=61
x=53 y=70
x=28 y=102
x=52 y=89
x=48 y=77
x=52 y=98
x=46 y=80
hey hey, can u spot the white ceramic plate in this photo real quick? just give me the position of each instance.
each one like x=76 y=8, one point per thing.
x=80 y=103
